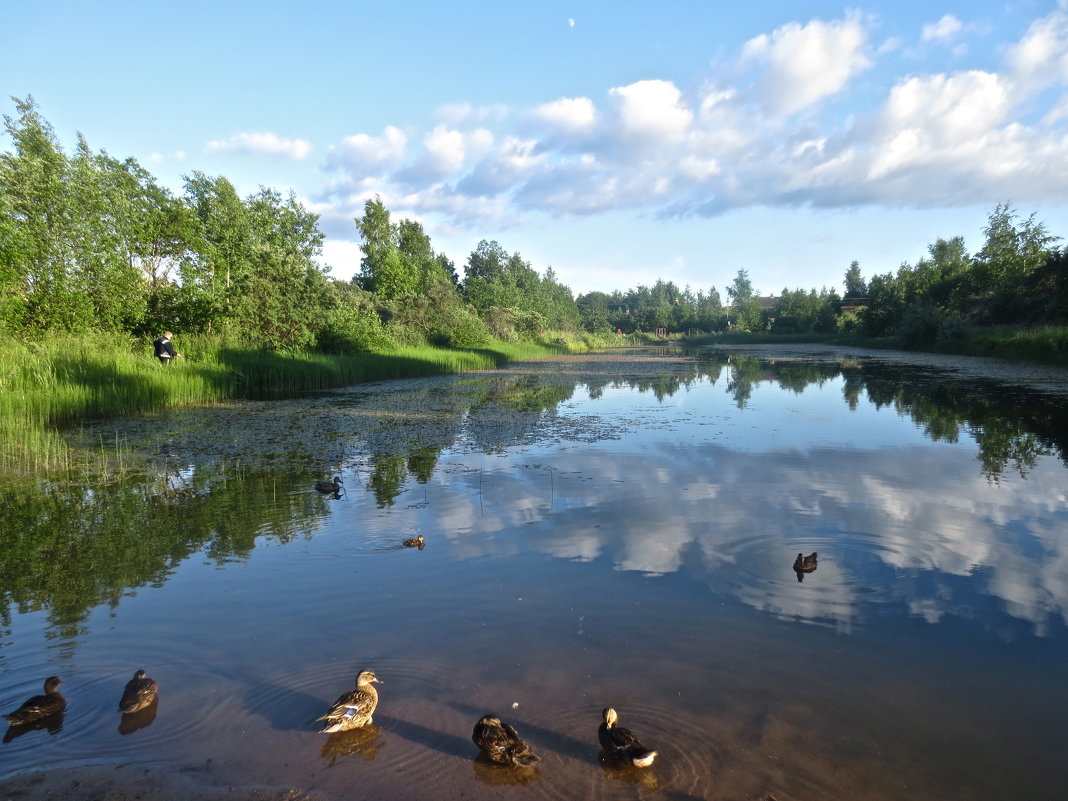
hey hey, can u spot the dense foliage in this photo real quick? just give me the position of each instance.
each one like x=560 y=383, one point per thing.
x=92 y=243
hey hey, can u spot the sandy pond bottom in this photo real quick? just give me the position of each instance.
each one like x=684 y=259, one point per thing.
x=644 y=564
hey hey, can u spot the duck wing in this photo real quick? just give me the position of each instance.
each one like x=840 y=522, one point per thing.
x=139 y=693
x=36 y=708
x=355 y=703
x=502 y=743
x=624 y=744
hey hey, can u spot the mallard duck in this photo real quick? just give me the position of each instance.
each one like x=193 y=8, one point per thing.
x=621 y=743
x=353 y=709
x=502 y=743
x=805 y=564
x=415 y=542
x=329 y=486
x=140 y=692
x=39 y=707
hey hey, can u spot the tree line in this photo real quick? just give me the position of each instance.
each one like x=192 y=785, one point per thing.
x=92 y=242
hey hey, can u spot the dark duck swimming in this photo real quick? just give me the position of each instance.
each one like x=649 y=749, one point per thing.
x=622 y=744
x=39 y=707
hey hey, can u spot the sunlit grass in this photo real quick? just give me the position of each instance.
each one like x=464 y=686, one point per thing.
x=58 y=381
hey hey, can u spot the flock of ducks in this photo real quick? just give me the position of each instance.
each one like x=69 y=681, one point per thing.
x=499 y=741
x=140 y=692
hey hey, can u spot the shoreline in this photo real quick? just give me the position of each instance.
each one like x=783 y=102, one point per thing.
x=136 y=782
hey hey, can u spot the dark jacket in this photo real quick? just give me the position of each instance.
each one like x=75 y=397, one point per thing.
x=164 y=347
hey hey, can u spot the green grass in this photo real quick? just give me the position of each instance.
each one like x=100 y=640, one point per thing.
x=58 y=381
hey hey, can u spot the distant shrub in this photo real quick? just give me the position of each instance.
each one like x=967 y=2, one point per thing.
x=849 y=323
x=953 y=328
x=919 y=324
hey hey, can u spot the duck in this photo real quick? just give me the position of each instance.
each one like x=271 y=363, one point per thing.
x=622 y=743
x=415 y=542
x=353 y=710
x=140 y=692
x=805 y=564
x=329 y=486
x=502 y=744
x=39 y=707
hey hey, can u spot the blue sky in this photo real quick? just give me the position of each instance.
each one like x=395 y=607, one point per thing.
x=618 y=142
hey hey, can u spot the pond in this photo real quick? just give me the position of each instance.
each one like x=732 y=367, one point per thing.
x=606 y=530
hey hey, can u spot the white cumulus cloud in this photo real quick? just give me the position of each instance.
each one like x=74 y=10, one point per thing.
x=1040 y=59
x=568 y=114
x=802 y=64
x=261 y=144
x=365 y=152
x=945 y=28
x=652 y=110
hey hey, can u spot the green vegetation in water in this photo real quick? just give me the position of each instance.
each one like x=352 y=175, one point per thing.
x=61 y=380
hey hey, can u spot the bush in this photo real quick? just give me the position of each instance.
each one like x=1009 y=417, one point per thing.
x=919 y=325
x=351 y=329
x=849 y=323
x=953 y=328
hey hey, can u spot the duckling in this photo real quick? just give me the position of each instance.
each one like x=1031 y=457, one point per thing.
x=39 y=707
x=805 y=564
x=415 y=542
x=502 y=743
x=353 y=709
x=327 y=487
x=622 y=743
x=140 y=692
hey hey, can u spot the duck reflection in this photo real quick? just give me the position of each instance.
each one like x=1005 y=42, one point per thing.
x=133 y=721
x=805 y=564
x=53 y=724
x=494 y=775
x=362 y=741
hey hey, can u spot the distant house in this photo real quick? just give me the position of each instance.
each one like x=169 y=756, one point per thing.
x=852 y=305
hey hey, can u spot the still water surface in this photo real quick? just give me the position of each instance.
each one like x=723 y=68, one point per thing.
x=607 y=530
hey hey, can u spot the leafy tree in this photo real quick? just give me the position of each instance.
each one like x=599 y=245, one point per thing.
x=100 y=234
x=885 y=306
x=745 y=306
x=379 y=241
x=221 y=255
x=1011 y=252
x=34 y=180
x=593 y=310
x=855 y=285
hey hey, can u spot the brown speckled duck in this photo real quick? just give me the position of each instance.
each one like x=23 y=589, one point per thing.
x=502 y=744
x=39 y=707
x=327 y=487
x=621 y=743
x=805 y=564
x=140 y=692
x=353 y=709
x=415 y=542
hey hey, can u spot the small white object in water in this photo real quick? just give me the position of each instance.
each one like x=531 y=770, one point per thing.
x=515 y=705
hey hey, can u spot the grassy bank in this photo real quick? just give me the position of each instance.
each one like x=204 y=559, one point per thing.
x=1043 y=345
x=58 y=381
